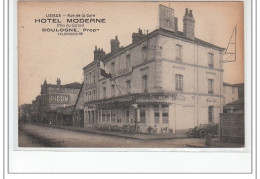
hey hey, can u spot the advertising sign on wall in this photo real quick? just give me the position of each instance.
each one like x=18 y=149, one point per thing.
x=59 y=99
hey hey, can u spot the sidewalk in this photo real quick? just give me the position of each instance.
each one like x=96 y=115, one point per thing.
x=140 y=136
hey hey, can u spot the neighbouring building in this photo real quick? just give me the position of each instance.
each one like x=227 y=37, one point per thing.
x=166 y=78
x=230 y=93
x=236 y=105
x=24 y=113
x=78 y=111
x=36 y=109
x=54 y=96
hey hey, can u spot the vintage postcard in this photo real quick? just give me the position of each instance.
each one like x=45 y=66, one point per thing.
x=131 y=74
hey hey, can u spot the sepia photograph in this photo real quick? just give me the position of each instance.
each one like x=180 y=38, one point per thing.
x=131 y=75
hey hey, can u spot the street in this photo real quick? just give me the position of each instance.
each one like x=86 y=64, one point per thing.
x=31 y=135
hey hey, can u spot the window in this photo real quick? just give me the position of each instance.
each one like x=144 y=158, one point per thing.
x=142 y=114
x=144 y=83
x=211 y=60
x=94 y=94
x=211 y=114
x=113 y=116
x=90 y=78
x=156 y=114
x=90 y=96
x=113 y=68
x=127 y=116
x=103 y=116
x=210 y=86
x=94 y=76
x=104 y=92
x=144 y=53
x=179 y=82
x=108 y=116
x=112 y=90
x=128 y=86
x=92 y=117
x=178 y=52
x=87 y=96
x=165 y=117
x=86 y=82
x=128 y=62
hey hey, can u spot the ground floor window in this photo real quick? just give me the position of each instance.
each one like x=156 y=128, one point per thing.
x=156 y=114
x=103 y=116
x=127 y=116
x=113 y=116
x=165 y=114
x=108 y=116
x=142 y=114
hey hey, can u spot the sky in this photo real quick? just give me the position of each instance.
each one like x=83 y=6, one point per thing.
x=46 y=55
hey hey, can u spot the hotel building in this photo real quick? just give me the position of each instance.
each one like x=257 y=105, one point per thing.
x=166 y=78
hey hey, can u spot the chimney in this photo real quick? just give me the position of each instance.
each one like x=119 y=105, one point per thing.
x=176 y=24
x=114 y=44
x=58 y=81
x=99 y=54
x=188 y=25
x=137 y=36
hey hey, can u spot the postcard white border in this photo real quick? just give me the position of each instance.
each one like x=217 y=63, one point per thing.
x=55 y=160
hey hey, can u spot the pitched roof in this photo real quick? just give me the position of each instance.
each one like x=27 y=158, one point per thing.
x=237 y=102
x=153 y=33
x=74 y=85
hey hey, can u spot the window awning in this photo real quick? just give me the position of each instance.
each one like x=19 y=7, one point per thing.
x=136 y=98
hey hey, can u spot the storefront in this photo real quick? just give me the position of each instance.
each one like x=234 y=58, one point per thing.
x=144 y=110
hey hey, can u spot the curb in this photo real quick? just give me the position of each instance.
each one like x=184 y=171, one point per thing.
x=111 y=134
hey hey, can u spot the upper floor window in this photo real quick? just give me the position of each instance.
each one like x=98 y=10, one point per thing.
x=179 y=52
x=113 y=67
x=211 y=60
x=87 y=96
x=128 y=86
x=104 y=92
x=145 y=83
x=179 y=82
x=210 y=86
x=94 y=94
x=144 y=52
x=113 y=90
x=94 y=76
x=86 y=79
x=90 y=95
x=128 y=62
x=90 y=80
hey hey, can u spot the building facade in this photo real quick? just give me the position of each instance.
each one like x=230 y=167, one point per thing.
x=167 y=79
x=234 y=98
x=78 y=111
x=54 y=96
x=230 y=93
x=24 y=113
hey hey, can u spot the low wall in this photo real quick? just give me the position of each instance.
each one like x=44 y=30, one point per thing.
x=232 y=128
